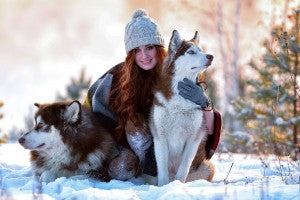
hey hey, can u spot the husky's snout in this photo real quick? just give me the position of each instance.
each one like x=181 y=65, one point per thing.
x=210 y=59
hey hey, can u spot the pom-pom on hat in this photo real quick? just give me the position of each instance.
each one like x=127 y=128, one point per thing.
x=141 y=30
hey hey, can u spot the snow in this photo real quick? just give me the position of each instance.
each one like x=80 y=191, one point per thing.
x=279 y=121
x=251 y=177
x=295 y=120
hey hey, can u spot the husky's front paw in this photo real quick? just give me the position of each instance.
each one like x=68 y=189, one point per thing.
x=47 y=177
x=180 y=177
x=163 y=180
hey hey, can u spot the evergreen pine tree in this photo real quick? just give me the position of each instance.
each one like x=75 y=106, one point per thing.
x=77 y=88
x=271 y=111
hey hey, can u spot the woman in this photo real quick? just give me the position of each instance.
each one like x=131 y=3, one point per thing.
x=122 y=98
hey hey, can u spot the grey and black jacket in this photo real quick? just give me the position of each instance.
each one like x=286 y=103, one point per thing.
x=98 y=97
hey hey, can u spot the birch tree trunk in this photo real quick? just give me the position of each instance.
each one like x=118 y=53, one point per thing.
x=285 y=10
x=225 y=70
x=235 y=86
x=235 y=57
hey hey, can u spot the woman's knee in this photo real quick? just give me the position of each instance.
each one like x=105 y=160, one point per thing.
x=124 y=166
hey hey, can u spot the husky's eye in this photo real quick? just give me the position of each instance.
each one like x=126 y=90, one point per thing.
x=191 y=52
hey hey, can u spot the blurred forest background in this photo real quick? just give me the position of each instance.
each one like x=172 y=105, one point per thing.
x=53 y=50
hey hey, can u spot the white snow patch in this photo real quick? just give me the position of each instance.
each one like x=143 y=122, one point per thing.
x=251 y=177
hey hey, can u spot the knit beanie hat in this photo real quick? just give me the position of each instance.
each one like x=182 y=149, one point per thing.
x=141 y=30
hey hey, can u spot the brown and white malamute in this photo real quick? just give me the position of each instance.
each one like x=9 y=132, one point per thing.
x=67 y=140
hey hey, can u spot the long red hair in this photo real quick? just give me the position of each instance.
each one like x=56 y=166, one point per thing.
x=132 y=91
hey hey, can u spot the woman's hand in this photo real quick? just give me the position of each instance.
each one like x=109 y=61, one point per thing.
x=193 y=92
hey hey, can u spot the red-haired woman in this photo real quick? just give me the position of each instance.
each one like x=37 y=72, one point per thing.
x=122 y=98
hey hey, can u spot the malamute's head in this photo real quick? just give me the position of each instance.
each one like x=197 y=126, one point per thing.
x=186 y=58
x=49 y=122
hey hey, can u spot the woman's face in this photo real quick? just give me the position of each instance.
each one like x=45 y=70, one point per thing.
x=145 y=56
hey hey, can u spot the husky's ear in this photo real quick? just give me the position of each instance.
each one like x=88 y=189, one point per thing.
x=72 y=111
x=196 y=38
x=175 y=42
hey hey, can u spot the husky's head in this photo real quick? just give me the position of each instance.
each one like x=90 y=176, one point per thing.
x=186 y=58
x=50 y=121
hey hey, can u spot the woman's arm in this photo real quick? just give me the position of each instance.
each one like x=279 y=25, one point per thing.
x=98 y=94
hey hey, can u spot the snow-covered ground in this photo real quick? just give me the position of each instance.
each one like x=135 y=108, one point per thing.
x=250 y=177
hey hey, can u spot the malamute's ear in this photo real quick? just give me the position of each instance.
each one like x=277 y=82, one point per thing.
x=175 y=42
x=196 y=38
x=72 y=111
x=37 y=105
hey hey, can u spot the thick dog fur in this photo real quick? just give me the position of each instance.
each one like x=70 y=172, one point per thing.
x=67 y=140
x=177 y=124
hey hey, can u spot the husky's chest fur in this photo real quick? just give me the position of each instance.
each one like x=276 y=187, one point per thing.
x=178 y=120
